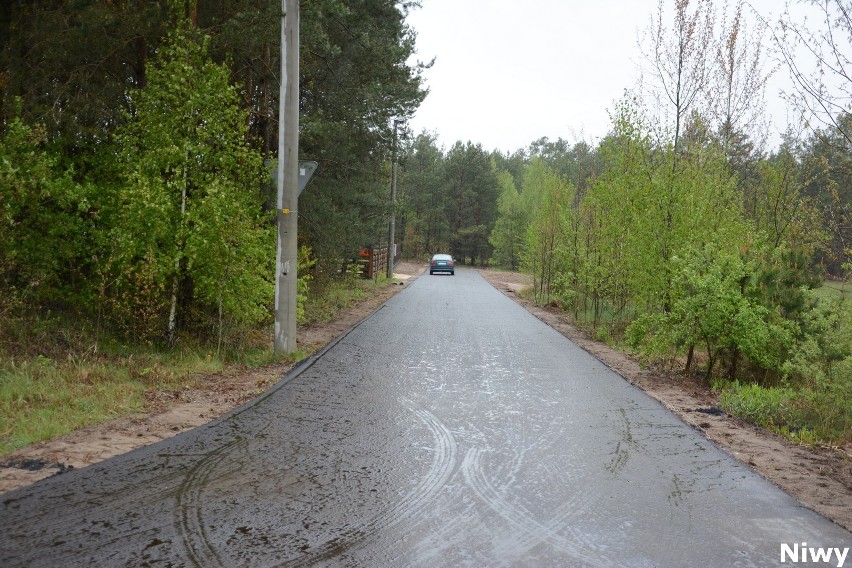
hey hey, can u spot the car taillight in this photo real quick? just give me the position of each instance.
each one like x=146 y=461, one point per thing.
x=449 y=263
x=434 y=262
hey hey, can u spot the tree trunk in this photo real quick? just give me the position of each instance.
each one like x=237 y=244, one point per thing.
x=221 y=320
x=711 y=360
x=172 y=337
x=172 y=331
x=735 y=356
x=249 y=101
x=141 y=49
x=192 y=12
x=265 y=110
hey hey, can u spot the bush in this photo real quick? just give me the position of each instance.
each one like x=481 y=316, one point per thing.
x=824 y=346
x=827 y=409
x=767 y=407
x=805 y=416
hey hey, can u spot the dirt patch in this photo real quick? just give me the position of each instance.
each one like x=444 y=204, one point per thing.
x=820 y=478
x=170 y=413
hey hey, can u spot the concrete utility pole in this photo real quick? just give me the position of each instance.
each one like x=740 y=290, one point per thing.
x=286 y=260
x=392 y=224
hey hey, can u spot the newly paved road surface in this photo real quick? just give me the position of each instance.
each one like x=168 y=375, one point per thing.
x=451 y=428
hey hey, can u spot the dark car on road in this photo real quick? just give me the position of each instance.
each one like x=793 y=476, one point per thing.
x=442 y=263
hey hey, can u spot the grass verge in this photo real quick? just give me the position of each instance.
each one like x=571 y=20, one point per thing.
x=804 y=416
x=43 y=397
x=326 y=300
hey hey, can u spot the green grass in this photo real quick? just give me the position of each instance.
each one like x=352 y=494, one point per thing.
x=803 y=416
x=325 y=302
x=766 y=407
x=831 y=290
x=41 y=398
x=75 y=385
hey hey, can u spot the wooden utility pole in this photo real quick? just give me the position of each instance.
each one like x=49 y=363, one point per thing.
x=286 y=261
x=392 y=224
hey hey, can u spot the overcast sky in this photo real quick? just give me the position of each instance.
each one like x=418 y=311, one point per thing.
x=508 y=72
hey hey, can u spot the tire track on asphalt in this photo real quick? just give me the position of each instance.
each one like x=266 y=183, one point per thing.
x=440 y=470
x=621 y=455
x=189 y=522
x=533 y=531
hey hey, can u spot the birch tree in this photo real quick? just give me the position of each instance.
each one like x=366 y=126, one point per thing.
x=189 y=217
x=736 y=90
x=680 y=59
x=508 y=234
x=818 y=58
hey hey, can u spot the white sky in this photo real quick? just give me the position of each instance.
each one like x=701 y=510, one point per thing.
x=509 y=72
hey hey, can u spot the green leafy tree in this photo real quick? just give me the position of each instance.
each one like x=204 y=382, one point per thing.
x=550 y=198
x=508 y=235
x=616 y=223
x=78 y=66
x=640 y=214
x=355 y=81
x=814 y=51
x=822 y=357
x=46 y=220
x=715 y=309
x=191 y=223
x=782 y=211
x=578 y=164
x=515 y=163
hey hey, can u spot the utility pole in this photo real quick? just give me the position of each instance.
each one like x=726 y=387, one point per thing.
x=392 y=224
x=286 y=260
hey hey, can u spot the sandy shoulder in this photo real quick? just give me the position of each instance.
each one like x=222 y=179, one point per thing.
x=170 y=413
x=820 y=478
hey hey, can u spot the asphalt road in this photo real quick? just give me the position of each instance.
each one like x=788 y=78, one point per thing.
x=451 y=428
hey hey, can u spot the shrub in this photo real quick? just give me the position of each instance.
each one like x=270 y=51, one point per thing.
x=767 y=407
x=805 y=416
